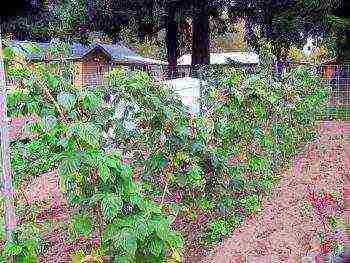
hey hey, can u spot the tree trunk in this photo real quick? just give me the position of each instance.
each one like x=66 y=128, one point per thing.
x=281 y=63
x=171 y=42
x=200 y=36
x=10 y=217
x=343 y=35
x=343 y=47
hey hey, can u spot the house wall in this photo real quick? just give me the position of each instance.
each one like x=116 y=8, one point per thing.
x=94 y=66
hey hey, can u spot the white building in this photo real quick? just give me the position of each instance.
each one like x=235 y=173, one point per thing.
x=189 y=91
x=224 y=58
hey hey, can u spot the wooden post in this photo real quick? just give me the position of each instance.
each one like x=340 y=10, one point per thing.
x=7 y=190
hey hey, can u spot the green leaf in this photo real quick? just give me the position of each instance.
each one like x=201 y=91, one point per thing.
x=109 y=233
x=257 y=163
x=136 y=199
x=150 y=207
x=127 y=171
x=66 y=100
x=152 y=224
x=126 y=239
x=92 y=157
x=69 y=165
x=96 y=198
x=49 y=122
x=175 y=240
x=251 y=203
x=104 y=172
x=52 y=81
x=82 y=225
x=111 y=205
x=162 y=229
x=113 y=161
x=141 y=229
x=89 y=133
x=155 y=247
x=195 y=176
x=90 y=100
x=12 y=249
x=9 y=53
x=127 y=221
x=129 y=186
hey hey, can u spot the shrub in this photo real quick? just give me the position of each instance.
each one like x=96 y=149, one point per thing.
x=222 y=162
x=99 y=186
x=257 y=124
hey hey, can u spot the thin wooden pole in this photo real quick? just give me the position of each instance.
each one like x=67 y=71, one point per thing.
x=10 y=216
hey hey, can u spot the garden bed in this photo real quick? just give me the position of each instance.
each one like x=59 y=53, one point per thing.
x=284 y=230
x=208 y=173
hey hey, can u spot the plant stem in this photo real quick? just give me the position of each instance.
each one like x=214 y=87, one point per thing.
x=10 y=216
x=99 y=221
x=164 y=192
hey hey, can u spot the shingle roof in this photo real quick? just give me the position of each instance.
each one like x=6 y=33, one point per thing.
x=114 y=51
x=118 y=51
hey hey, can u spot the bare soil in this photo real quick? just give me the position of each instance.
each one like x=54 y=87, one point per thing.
x=283 y=231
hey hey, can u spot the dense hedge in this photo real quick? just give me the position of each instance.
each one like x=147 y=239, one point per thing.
x=222 y=163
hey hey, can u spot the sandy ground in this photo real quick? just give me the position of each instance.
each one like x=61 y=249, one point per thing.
x=282 y=230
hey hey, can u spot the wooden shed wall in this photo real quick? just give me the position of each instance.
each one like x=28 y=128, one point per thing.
x=94 y=66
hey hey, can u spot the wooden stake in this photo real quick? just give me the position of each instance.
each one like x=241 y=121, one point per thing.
x=7 y=189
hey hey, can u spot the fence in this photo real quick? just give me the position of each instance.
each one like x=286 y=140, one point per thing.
x=337 y=76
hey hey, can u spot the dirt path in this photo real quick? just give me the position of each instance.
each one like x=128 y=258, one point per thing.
x=282 y=229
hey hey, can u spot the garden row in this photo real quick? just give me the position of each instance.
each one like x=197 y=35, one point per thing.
x=209 y=170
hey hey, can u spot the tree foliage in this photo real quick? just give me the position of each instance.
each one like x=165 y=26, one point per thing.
x=283 y=22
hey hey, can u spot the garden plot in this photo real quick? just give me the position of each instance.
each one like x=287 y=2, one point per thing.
x=287 y=229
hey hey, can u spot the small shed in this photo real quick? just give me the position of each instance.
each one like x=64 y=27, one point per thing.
x=91 y=61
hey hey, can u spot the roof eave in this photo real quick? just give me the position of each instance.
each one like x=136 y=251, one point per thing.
x=96 y=47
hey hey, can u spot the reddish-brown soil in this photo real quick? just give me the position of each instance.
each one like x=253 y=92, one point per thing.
x=283 y=231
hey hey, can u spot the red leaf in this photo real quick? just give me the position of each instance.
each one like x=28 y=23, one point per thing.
x=325 y=248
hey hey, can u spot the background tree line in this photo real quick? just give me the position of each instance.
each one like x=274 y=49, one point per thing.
x=186 y=23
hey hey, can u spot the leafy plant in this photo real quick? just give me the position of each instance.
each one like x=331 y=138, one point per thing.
x=330 y=233
x=24 y=246
x=216 y=230
x=256 y=124
x=69 y=138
